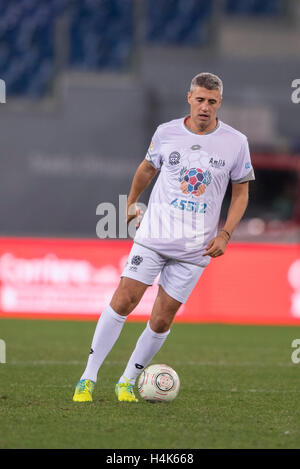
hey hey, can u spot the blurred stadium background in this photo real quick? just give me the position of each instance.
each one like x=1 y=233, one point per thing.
x=87 y=82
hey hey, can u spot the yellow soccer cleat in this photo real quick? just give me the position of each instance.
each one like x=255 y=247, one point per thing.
x=124 y=392
x=83 y=391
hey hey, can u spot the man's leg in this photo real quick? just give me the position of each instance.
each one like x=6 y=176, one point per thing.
x=108 y=329
x=177 y=281
x=110 y=323
x=142 y=267
x=153 y=337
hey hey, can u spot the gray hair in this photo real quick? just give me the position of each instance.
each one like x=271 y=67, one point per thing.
x=208 y=81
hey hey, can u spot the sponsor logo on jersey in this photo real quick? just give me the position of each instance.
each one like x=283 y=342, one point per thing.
x=217 y=163
x=248 y=165
x=194 y=181
x=151 y=148
x=174 y=158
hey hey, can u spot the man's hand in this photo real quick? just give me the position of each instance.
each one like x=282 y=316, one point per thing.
x=239 y=200
x=184 y=188
x=216 y=247
x=134 y=211
x=142 y=178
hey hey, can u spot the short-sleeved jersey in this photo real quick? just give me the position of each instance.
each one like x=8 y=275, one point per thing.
x=185 y=203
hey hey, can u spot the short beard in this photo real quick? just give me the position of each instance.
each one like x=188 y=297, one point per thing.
x=203 y=126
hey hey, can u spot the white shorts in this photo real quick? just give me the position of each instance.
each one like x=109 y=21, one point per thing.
x=178 y=279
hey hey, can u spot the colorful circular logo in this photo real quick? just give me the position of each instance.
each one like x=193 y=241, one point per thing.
x=195 y=179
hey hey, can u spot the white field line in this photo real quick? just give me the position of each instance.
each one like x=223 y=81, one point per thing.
x=174 y=363
x=203 y=390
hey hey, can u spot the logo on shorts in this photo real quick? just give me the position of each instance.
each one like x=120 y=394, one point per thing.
x=135 y=261
x=174 y=158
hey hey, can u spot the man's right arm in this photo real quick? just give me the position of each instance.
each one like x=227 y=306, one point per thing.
x=141 y=180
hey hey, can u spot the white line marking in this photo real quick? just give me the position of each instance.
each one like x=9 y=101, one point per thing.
x=174 y=363
x=204 y=390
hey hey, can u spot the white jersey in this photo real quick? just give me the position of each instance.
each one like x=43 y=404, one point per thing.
x=185 y=203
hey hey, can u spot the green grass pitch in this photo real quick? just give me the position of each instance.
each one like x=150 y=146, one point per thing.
x=239 y=389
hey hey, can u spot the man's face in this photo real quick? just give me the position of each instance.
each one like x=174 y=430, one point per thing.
x=203 y=107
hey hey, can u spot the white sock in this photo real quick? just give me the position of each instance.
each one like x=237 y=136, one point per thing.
x=146 y=347
x=107 y=331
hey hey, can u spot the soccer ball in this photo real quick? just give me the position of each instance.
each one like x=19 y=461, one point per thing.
x=194 y=177
x=158 y=383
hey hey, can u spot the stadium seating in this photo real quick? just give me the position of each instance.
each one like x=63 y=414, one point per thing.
x=254 y=7
x=182 y=22
x=101 y=33
x=100 y=36
x=27 y=37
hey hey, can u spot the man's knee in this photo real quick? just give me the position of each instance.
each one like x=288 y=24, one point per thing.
x=126 y=297
x=163 y=312
x=160 y=324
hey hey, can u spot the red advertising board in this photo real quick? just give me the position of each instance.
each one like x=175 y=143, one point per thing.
x=75 y=279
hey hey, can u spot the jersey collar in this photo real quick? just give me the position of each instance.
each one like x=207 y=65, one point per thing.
x=200 y=135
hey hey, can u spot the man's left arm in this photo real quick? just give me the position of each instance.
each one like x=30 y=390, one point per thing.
x=239 y=201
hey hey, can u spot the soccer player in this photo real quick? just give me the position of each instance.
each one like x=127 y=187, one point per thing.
x=197 y=156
